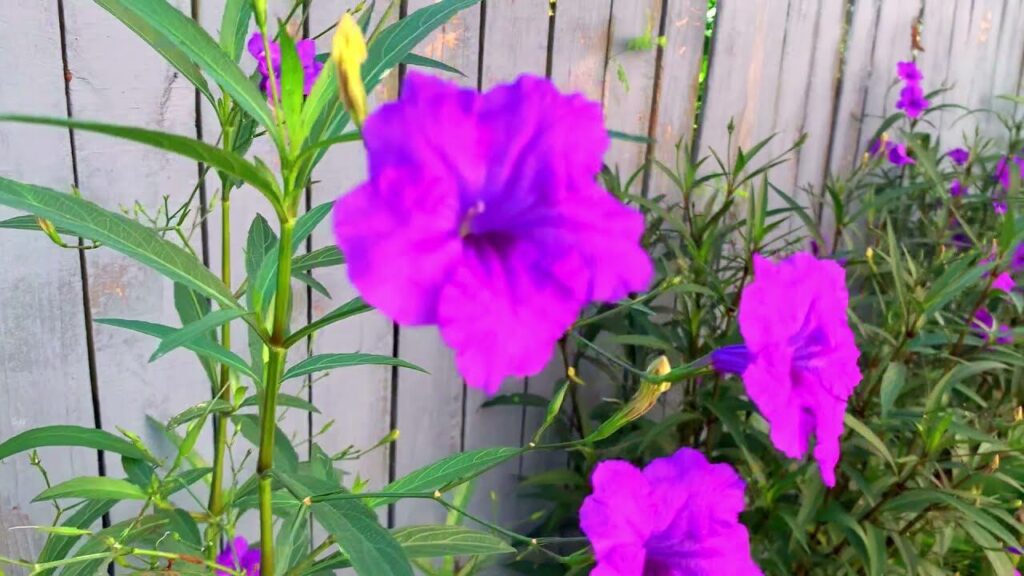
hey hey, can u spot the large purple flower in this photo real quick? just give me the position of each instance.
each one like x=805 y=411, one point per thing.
x=898 y=155
x=799 y=359
x=306 y=50
x=239 y=556
x=482 y=214
x=679 y=516
x=912 y=101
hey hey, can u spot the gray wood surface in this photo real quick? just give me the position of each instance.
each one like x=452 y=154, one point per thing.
x=824 y=67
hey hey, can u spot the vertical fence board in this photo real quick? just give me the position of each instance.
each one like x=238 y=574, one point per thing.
x=677 y=97
x=630 y=79
x=117 y=77
x=44 y=372
x=430 y=405
x=515 y=42
x=357 y=399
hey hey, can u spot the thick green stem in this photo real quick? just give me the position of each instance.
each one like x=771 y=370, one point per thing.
x=223 y=388
x=268 y=413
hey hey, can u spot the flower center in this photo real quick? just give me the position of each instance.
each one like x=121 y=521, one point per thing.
x=466 y=227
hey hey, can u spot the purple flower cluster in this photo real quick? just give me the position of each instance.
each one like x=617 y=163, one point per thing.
x=306 y=50
x=482 y=215
x=679 y=516
x=896 y=152
x=241 y=557
x=798 y=359
x=912 y=99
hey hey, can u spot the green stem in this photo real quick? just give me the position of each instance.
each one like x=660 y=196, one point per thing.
x=268 y=412
x=223 y=390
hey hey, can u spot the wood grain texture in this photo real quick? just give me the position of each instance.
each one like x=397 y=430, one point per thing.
x=117 y=77
x=430 y=406
x=44 y=371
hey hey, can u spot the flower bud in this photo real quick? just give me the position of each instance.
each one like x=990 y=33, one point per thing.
x=259 y=10
x=348 y=52
x=1018 y=414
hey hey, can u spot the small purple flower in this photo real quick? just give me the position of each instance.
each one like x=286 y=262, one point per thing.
x=1000 y=207
x=985 y=327
x=956 y=188
x=908 y=72
x=1003 y=282
x=1017 y=260
x=799 y=358
x=878 y=146
x=679 y=516
x=1002 y=173
x=239 y=556
x=912 y=101
x=959 y=156
x=306 y=50
x=898 y=155
x=482 y=214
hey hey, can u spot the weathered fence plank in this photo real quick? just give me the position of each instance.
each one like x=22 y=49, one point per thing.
x=117 y=77
x=44 y=370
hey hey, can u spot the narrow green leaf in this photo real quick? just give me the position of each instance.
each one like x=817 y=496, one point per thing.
x=58 y=546
x=117 y=232
x=234 y=24
x=204 y=347
x=198 y=150
x=259 y=242
x=872 y=439
x=171 y=53
x=320 y=258
x=516 y=399
x=191 y=307
x=292 y=83
x=67 y=435
x=412 y=59
x=369 y=546
x=893 y=380
x=351 y=308
x=440 y=541
x=181 y=31
x=447 y=472
x=285 y=456
x=262 y=288
x=317 y=286
x=283 y=400
x=216 y=406
x=321 y=362
x=183 y=480
x=624 y=137
x=93 y=488
x=27 y=223
x=198 y=330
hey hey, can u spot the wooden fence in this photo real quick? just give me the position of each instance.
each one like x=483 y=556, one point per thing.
x=824 y=67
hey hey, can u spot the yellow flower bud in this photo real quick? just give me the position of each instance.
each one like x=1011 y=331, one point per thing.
x=348 y=51
x=1018 y=414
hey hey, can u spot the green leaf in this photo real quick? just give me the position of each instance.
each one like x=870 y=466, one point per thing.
x=234 y=24
x=26 y=223
x=355 y=528
x=308 y=279
x=447 y=472
x=893 y=380
x=171 y=53
x=425 y=62
x=263 y=286
x=351 y=308
x=283 y=400
x=320 y=258
x=216 y=406
x=204 y=347
x=115 y=231
x=873 y=440
x=183 y=480
x=181 y=31
x=321 y=362
x=438 y=541
x=260 y=241
x=58 y=546
x=93 y=488
x=67 y=435
x=191 y=307
x=616 y=135
x=516 y=399
x=198 y=150
x=292 y=83
x=284 y=453
x=198 y=330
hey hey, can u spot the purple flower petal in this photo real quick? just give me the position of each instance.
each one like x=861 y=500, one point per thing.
x=956 y=188
x=898 y=155
x=908 y=72
x=239 y=556
x=1003 y=282
x=912 y=101
x=679 y=516
x=306 y=50
x=482 y=215
x=959 y=156
x=803 y=357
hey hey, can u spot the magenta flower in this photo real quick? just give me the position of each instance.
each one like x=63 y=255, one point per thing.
x=912 y=101
x=1017 y=259
x=878 y=146
x=1002 y=173
x=959 y=156
x=798 y=359
x=1000 y=207
x=908 y=72
x=956 y=188
x=1003 y=282
x=679 y=516
x=482 y=214
x=239 y=556
x=986 y=327
x=306 y=50
x=898 y=155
